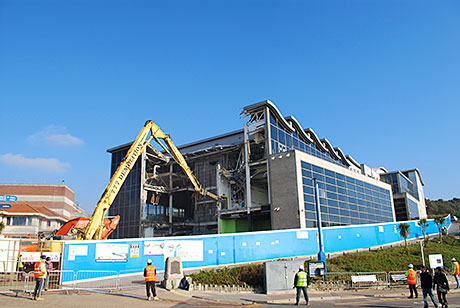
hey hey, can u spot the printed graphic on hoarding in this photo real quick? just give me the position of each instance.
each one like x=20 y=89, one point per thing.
x=112 y=252
x=186 y=250
x=134 y=250
x=30 y=256
x=54 y=256
x=77 y=250
x=153 y=248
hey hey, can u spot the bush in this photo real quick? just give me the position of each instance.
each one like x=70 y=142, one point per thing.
x=252 y=275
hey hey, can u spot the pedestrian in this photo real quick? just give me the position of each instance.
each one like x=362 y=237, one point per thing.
x=301 y=284
x=455 y=270
x=20 y=268
x=426 y=281
x=411 y=275
x=150 y=274
x=40 y=276
x=440 y=280
x=49 y=268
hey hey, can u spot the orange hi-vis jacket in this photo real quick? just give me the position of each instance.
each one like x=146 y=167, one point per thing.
x=411 y=276
x=456 y=269
x=150 y=273
x=40 y=270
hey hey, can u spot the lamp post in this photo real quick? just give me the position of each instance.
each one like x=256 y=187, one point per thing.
x=321 y=253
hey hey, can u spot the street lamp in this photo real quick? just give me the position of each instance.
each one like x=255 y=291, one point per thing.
x=321 y=253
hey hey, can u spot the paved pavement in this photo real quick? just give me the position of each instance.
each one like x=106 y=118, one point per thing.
x=179 y=298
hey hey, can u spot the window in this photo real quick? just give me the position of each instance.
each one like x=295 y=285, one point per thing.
x=19 y=221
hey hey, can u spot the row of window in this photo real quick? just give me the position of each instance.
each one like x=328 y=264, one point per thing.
x=343 y=199
x=282 y=141
x=24 y=221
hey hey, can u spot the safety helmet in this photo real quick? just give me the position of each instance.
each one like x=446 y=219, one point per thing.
x=149 y=261
x=453 y=260
x=410 y=266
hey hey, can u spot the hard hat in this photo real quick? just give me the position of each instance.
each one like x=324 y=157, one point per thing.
x=453 y=260
x=149 y=261
x=410 y=266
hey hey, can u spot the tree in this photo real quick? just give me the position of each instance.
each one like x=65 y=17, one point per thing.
x=424 y=225
x=404 y=231
x=440 y=221
x=2 y=226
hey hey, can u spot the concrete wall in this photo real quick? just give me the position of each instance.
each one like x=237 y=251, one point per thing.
x=284 y=190
x=226 y=249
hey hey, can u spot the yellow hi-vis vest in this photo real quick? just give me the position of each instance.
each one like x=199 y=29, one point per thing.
x=301 y=279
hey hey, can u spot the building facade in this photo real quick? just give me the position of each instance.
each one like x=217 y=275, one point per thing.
x=58 y=198
x=264 y=175
x=26 y=221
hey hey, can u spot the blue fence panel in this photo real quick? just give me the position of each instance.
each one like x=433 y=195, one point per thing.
x=226 y=249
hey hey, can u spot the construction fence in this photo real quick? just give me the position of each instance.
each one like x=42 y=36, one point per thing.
x=18 y=281
x=110 y=281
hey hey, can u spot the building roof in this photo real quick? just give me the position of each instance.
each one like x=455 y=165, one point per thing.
x=37 y=185
x=24 y=209
x=308 y=135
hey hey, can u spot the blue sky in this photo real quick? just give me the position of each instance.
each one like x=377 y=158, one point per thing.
x=380 y=79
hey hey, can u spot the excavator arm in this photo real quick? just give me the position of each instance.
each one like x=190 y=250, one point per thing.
x=150 y=131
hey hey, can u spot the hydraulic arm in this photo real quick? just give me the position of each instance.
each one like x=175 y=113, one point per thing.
x=149 y=131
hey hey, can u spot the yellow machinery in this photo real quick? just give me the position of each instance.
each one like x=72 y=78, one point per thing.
x=150 y=131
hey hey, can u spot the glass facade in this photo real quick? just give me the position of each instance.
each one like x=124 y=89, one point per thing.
x=344 y=200
x=282 y=141
x=413 y=209
x=127 y=204
x=400 y=184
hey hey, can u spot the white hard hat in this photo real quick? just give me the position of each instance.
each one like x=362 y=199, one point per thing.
x=410 y=266
x=149 y=261
x=453 y=260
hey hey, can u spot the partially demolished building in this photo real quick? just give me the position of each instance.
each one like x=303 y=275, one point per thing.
x=263 y=174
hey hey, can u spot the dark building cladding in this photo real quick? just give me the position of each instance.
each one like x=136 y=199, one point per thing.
x=263 y=174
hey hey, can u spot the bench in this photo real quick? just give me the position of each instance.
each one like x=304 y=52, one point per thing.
x=364 y=279
x=398 y=277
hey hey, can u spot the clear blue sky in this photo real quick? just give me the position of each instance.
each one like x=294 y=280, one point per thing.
x=380 y=79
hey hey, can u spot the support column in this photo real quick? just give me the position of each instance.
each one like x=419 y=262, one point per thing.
x=170 y=200
x=248 y=176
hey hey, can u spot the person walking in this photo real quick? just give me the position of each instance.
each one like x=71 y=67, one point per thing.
x=150 y=274
x=426 y=281
x=455 y=270
x=40 y=276
x=411 y=276
x=440 y=280
x=49 y=268
x=301 y=284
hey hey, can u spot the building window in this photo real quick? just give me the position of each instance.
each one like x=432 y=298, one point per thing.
x=344 y=200
x=49 y=223
x=19 y=221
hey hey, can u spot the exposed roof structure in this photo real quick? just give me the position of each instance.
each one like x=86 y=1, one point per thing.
x=290 y=124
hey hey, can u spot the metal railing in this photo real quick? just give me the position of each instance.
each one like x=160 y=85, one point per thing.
x=128 y=279
x=96 y=280
x=12 y=281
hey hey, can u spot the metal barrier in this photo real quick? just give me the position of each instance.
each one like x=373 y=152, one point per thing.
x=398 y=279
x=96 y=280
x=12 y=281
x=129 y=279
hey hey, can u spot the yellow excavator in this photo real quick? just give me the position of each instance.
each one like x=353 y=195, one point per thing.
x=97 y=226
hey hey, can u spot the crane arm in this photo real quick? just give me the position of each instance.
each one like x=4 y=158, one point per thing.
x=171 y=148
x=93 y=228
